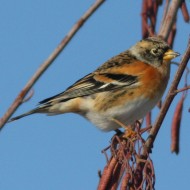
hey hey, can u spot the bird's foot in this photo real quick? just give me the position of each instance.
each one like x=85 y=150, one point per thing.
x=129 y=132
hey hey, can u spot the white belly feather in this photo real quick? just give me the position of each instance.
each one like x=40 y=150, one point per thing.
x=127 y=114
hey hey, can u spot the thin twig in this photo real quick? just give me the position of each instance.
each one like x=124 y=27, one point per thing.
x=172 y=34
x=169 y=18
x=144 y=18
x=181 y=89
x=165 y=11
x=19 y=99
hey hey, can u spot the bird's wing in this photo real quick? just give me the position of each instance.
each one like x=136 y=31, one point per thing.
x=91 y=84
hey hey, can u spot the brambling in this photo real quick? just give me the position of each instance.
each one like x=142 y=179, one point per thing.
x=124 y=89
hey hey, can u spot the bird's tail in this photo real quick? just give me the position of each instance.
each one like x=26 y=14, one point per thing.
x=25 y=114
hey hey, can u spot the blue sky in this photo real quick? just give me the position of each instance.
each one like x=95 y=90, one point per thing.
x=64 y=152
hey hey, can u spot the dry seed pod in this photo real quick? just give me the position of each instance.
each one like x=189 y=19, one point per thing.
x=185 y=12
x=176 y=123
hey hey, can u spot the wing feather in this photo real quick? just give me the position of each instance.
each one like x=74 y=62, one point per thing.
x=91 y=84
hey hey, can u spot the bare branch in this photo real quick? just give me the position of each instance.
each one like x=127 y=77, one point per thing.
x=169 y=18
x=166 y=6
x=19 y=99
x=181 y=89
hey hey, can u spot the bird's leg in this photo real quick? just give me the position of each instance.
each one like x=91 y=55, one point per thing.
x=129 y=133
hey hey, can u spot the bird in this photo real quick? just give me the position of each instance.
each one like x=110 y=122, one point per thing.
x=124 y=88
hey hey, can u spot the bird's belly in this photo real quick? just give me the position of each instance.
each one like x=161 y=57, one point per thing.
x=127 y=114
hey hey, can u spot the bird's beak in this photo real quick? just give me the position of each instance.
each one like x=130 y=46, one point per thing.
x=169 y=55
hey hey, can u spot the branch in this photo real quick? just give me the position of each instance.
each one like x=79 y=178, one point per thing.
x=19 y=99
x=181 y=89
x=169 y=19
x=169 y=98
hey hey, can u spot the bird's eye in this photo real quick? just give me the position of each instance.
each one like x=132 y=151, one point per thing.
x=154 y=51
